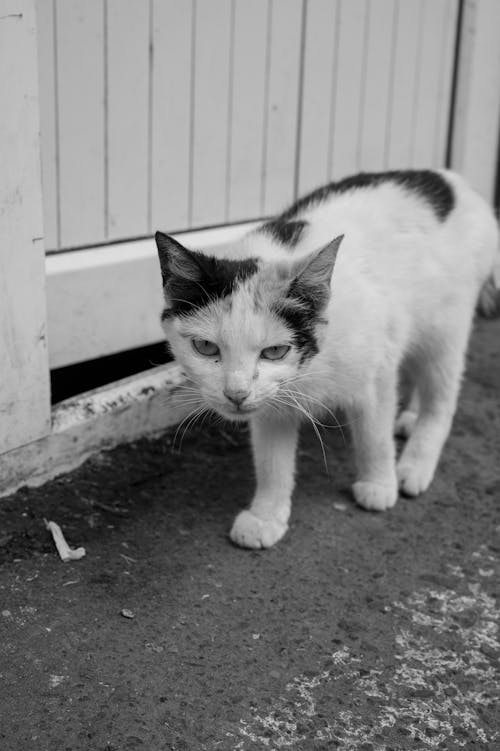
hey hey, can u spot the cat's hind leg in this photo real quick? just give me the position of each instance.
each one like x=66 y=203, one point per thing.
x=406 y=419
x=409 y=403
x=274 y=443
x=438 y=375
x=371 y=423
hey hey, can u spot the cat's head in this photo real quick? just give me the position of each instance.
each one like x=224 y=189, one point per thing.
x=243 y=329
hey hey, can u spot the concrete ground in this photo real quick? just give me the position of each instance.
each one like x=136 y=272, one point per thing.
x=359 y=631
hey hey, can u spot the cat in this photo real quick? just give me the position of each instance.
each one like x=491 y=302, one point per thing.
x=325 y=307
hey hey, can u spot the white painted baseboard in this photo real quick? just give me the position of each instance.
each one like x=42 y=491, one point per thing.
x=108 y=299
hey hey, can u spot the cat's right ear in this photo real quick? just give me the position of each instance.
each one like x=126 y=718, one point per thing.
x=176 y=260
x=311 y=276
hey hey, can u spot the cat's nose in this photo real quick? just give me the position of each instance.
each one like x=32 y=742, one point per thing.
x=236 y=396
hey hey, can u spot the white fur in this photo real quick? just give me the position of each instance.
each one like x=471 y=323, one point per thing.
x=403 y=293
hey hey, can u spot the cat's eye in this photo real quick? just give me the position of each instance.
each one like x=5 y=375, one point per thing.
x=275 y=353
x=205 y=348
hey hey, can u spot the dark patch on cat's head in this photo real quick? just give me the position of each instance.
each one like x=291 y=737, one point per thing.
x=431 y=186
x=192 y=280
x=287 y=233
x=306 y=298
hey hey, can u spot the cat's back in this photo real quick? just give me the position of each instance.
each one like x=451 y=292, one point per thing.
x=398 y=222
x=393 y=223
x=395 y=204
x=377 y=199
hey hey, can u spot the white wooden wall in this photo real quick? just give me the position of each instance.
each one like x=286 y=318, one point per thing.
x=183 y=113
x=187 y=113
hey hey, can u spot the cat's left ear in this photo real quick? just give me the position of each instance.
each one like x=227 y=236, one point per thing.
x=313 y=274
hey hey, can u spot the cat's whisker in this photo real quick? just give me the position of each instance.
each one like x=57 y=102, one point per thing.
x=191 y=424
x=302 y=410
x=338 y=424
x=186 y=398
x=306 y=397
x=189 y=405
x=186 y=421
x=277 y=407
x=180 y=394
x=310 y=378
x=187 y=390
x=315 y=425
x=179 y=426
x=340 y=394
x=186 y=302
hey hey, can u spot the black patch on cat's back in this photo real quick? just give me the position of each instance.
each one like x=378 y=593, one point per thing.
x=427 y=184
x=285 y=232
x=218 y=279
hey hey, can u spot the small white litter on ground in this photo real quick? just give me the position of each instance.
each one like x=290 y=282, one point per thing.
x=56 y=680
x=65 y=552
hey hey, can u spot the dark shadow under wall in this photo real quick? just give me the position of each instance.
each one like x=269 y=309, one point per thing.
x=84 y=376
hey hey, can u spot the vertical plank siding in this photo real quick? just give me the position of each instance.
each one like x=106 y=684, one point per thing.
x=127 y=122
x=171 y=89
x=247 y=114
x=81 y=143
x=403 y=104
x=210 y=120
x=377 y=84
x=435 y=38
x=449 y=28
x=162 y=113
x=319 y=79
x=349 y=89
x=285 y=37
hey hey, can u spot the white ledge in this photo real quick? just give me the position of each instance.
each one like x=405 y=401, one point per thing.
x=144 y=404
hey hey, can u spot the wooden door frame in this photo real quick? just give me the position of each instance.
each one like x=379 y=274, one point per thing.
x=475 y=125
x=24 y=384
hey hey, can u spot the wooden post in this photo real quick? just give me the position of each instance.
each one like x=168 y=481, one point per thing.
x=24 y=374
x=476 y=125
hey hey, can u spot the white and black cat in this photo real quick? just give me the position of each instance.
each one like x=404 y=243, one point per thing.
x=324 y=307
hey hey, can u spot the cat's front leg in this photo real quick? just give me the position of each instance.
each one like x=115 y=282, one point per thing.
x=371 y=423
x=274 y=443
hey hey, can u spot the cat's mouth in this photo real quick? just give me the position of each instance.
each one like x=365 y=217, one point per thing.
x=243 y=410
x=239 y=413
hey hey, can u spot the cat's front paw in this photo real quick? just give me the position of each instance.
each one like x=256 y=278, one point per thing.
x=249 y=531
x=375 y=496
x=415 y=476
